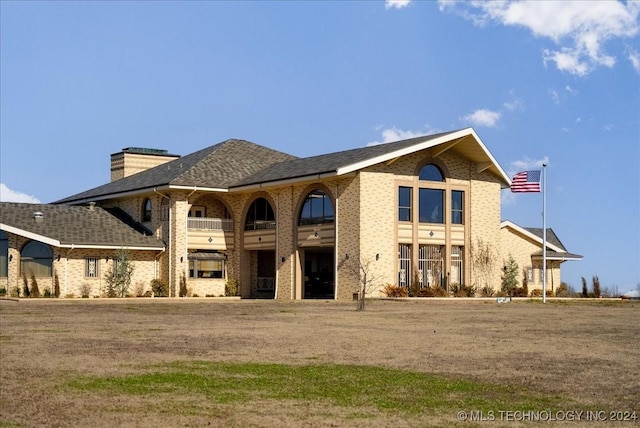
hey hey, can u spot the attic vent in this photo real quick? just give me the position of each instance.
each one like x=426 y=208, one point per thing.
x=38 y=216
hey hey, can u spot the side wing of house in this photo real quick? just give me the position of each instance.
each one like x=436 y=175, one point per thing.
x=68 y=251
x=525 y=246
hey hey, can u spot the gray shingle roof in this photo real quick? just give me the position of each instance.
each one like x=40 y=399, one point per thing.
x=74 y=225
x=552 y=238
x=329 y=162
x=218 y=166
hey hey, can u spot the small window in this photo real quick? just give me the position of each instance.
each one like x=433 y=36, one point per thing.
x=91 y=267
x=146 y=210
x=404 y=203
x=457 y=204
x=206 y=269
x=431 y=172
x=529 y=274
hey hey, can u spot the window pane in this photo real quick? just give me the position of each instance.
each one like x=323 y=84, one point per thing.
x=457 y=203
x=4 y=254
x=431 y=173
x=431 y=206
x=210 y=268
x=317 y=209
x=404 y=204
x=36 y=258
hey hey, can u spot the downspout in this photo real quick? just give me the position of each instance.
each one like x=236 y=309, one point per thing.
x=168 y=240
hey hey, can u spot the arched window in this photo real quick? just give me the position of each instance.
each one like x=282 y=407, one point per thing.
x=36 y=258
x=260 y=216
x=317 y=209
x=4 y=254
x=431 y=172
x=146 y=210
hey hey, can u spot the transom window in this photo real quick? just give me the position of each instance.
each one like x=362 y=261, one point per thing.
x=431 y=172
x=36 y=258
x=260 y=216
x=317 y=209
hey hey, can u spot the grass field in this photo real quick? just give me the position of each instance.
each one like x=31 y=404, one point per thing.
x=216 y=362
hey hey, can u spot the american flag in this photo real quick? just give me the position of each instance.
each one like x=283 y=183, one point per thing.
x=526 y=181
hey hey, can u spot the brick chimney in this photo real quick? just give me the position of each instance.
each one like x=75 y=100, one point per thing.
x=133 y=160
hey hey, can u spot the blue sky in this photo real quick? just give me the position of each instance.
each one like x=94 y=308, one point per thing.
x=538 y=81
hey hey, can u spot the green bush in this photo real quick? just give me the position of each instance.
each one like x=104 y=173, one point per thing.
x=487 y=291
x=47 y=292
x=3 y=291
x=231 y=287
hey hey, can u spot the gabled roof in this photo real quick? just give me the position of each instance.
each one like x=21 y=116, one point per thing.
x=214 y=168
x=465 y=142
x=555 y=249
x=72 y=227
x=238 y=164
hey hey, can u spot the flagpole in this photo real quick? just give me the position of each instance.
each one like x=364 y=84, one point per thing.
x=544 y=233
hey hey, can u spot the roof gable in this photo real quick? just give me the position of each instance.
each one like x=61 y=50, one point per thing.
x=344 y=162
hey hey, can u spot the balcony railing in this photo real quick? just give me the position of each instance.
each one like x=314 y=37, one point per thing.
x=206 y=223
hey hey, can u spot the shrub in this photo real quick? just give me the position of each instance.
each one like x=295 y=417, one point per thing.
x=3 y=291
x=414 y=288
x=487 y=291
x=427 y=292
x=56 y=286
x=538 y=293
x=85 y=291
x=159 y=288
x=15 y=292
x=391 y=290
x=25 y=286
x=562 y=291
x=231 y=287
x=35 y=291
x=520 y=292
x=139 y=289
x=47 y=292
x=183 y=286
x=461 y=290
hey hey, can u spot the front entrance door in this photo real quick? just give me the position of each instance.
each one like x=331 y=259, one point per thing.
x=318 y=273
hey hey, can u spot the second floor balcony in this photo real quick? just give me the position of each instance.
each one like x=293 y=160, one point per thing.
x=206 y=233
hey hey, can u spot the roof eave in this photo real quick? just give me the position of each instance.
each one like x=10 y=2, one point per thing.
x=285 y=182
x=427 y=144
x=508 y=223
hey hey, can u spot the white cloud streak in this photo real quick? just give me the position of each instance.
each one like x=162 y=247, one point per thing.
x=483 y=117
x=390 y=135
x=578 y=29
x=8 y=195
x=397 y=4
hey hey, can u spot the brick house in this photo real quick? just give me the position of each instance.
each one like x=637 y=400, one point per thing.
x=292 y=228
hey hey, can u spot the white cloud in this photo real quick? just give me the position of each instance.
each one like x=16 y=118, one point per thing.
x=397 y=4
x=526 y=164
x=634 y=57
x=483 y=117
x=393 y=134
x=514 y=105
x=579 y=30
x=8 y=195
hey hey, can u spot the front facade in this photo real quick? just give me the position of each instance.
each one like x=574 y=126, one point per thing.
x=282 y=227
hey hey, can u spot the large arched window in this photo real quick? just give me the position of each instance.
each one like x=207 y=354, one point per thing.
x=317 y=209
x=36 y=258
x=146 y=210
x=260 y=216
x=4 y=254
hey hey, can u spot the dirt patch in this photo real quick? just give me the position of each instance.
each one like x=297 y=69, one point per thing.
x=584 y=352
